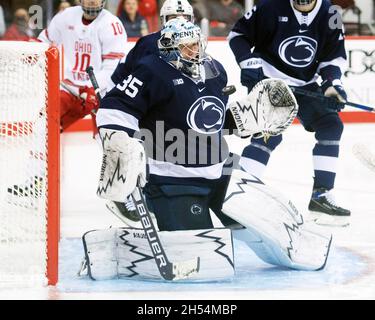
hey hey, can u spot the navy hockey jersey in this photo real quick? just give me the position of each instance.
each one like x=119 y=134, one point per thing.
x=143 y=47
x=293 y=46
x=180 y=119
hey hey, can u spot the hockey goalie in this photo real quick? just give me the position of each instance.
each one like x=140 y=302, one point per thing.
x=168 y=116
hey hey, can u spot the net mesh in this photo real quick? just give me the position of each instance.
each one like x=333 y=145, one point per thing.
x=23 y=164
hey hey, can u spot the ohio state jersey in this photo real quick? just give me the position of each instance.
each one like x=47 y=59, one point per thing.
x=100 y=44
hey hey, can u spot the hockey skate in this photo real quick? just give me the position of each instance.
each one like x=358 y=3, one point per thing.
x=325 y=211
x=127 y=213
x=27 y=195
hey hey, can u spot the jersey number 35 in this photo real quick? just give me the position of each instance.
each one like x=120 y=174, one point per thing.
x=130 y=86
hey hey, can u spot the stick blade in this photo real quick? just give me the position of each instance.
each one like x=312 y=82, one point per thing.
x=364 y=155
x=185 y=269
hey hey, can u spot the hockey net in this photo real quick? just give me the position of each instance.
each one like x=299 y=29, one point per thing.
x=29 y=163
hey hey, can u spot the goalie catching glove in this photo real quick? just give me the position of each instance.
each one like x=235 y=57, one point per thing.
x=268 y=110
x=123 y=165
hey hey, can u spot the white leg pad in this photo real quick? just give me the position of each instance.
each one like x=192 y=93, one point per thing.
x=275 y=230
x=119 y=253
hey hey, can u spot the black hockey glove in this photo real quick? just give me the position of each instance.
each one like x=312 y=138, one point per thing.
x=335 y=90
x=251 y=72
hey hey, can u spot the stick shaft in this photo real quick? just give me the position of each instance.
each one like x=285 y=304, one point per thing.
x=320 y=96
x=90 y=72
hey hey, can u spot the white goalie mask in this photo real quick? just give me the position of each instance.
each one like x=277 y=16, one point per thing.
x=183 y=45
x=92 y=7
x=175 y=8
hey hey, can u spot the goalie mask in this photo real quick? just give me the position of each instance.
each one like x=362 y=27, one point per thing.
x=174 y=8
x=92 y=8
x=182 y=45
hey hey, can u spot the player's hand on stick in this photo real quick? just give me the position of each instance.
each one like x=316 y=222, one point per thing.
x=90 y=101
x=335 y=90
x=123 y=164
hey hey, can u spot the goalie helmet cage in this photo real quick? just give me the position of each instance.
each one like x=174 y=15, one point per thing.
x=29 y=164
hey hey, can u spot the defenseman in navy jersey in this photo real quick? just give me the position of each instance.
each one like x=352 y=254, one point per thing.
x=145 y=46
x=297 y=41
x=180 y=90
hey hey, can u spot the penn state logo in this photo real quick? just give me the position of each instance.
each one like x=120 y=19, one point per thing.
x=206 y=115
x=298 y=51
x=196 y=209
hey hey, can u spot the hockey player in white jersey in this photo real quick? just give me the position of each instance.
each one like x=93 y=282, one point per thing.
x=179 y=95
x=89 y=36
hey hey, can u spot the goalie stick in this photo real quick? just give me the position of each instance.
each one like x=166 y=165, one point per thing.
x=364 y=155
x=168 y=270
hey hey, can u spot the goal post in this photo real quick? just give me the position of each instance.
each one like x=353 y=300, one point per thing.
x=29 y=163
x=53 y=164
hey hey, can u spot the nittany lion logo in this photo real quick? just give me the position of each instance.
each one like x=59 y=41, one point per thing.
x=206 y=115
x=298 y=51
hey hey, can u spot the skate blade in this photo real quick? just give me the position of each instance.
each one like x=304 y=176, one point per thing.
x=324 y=219
x=130 y=223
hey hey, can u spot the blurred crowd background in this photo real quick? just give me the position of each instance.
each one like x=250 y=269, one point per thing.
x=141 y=17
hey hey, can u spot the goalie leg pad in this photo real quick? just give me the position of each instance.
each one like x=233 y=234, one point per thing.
x=179 y=207
x=122 y=253
x=255 y=242
x=280 y=235
x=309 y=254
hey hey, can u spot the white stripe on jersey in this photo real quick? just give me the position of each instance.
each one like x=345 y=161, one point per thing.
x=167 y=169
x=116 y=117
x=271 y=72
x=338 y=62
